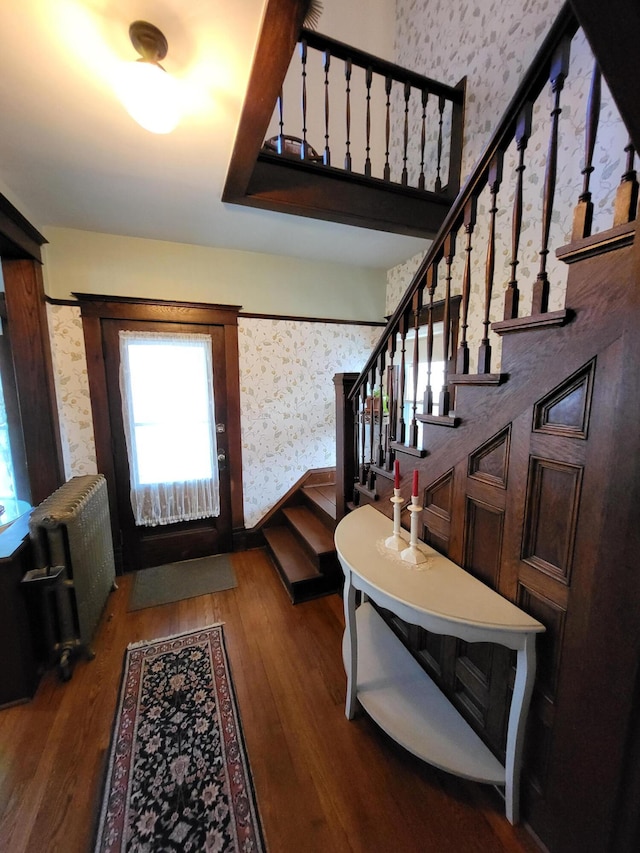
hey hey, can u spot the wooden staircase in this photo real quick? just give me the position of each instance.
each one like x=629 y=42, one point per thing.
x=299 y=538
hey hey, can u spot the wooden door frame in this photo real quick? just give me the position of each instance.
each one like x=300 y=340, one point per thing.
x=93 y=309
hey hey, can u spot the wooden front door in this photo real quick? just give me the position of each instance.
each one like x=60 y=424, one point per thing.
x=140 y=546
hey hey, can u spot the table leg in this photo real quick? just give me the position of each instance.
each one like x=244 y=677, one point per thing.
x=522 y=690
x=350 y=645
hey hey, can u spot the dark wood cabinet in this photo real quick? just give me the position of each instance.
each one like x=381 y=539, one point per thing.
x=19 y=672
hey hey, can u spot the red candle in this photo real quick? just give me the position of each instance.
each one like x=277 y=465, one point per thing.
x=396 y=480
x=414 y=493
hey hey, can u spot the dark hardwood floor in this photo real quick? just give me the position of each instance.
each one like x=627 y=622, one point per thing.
x=323 y=783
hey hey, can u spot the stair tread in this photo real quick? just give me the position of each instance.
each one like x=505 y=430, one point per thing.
x=311 y=529
x=323 y=496
x=290 y=555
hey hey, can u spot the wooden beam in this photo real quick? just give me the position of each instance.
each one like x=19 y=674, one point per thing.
x=335 y=196
x=612 y=30
x=277 y=40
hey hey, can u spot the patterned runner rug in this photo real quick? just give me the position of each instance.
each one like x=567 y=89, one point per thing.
x=178 y=777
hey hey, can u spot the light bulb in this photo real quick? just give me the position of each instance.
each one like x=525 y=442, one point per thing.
x=150 y=96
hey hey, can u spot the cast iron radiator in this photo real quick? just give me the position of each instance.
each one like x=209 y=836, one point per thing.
x=71 y=536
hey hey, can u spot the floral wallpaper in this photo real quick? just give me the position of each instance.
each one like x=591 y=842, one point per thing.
x=72 y=389
x=287 y=398
x=447 y=39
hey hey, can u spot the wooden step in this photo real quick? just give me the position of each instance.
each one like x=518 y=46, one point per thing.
x=312 y=533
x=301 y=578
x=322 y=500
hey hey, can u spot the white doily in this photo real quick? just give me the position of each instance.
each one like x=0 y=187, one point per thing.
x=394 y=556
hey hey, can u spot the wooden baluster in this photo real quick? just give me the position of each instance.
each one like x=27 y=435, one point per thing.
x=347 y=74
x=462 y=364
x=303 y=58
x=627 y=194
x=367 y=162
x=416 y=305
x=380 y=454
x=281 y=123
x=326 y=159
x=391 y=394
x=407 y=95
x=583 y=213
x=559 y=69
x=371 y=479
x=449 y=251
x=387 y=168
x=441 y=103
x=494 y=180
x=523 y=132
x=423 y=138
x=357 y=430
x=401 y=431
x=363 y=434
x=432 y=281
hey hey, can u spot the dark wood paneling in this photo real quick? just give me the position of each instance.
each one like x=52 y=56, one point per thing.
x=490 y=462
x=566 y=410
x=484 y=525
x=551 y=516
x=26 y=315
x=18 y=238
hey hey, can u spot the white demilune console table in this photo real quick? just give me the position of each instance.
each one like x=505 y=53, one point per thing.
x=389 y=683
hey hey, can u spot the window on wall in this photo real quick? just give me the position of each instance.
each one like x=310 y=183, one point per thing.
x=166 y=384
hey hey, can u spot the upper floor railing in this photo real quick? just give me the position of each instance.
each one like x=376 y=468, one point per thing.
x=344 y=109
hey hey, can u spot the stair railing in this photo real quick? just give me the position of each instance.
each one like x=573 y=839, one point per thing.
x=363 y=106
x=403 y=385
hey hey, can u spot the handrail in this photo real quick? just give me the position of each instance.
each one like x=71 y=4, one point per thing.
x=564 y=27
x=340 y=50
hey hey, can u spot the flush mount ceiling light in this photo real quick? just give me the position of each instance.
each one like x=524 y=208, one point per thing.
x=148 y=93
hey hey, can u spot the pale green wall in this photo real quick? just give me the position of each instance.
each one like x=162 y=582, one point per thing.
x=86 y=262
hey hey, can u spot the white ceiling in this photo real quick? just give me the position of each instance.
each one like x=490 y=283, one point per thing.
x=71 y=157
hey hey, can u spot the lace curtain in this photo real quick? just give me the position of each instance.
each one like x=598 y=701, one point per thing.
x=166 y=385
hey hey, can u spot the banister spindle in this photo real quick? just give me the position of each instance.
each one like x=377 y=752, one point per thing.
x=401 y=430
x=583 y=213
x=441 y=104
x=380 y=453
x=559 y=69
x=627 y=194
x=281 y=123
x=449 y=251
x=423 y=138
x=363 y=433
x=391 y=394
x=523 y=132
x=407 y=95
x=432 y=281
x=347 y=75
x=416 y=305
x=367 y=162
x=494 y=181
x=326 y=159
x=303 y=59
x=462 y=363
x=387 y=168
x=371 y=479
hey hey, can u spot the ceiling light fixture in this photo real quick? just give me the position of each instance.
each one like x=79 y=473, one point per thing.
x=148 y=93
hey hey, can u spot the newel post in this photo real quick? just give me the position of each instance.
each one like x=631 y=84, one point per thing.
x=345 y=441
